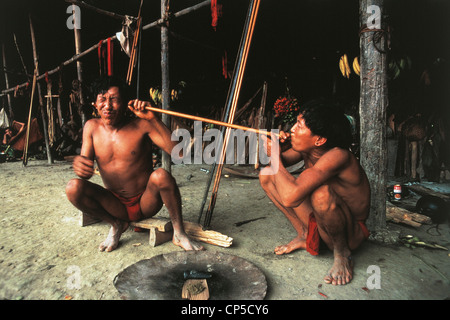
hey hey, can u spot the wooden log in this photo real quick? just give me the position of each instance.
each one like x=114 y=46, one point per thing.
x=195 y=289
x=400 y=215
x=196 y=232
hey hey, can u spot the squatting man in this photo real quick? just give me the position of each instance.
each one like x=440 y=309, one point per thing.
x=329 y=201
x=121 y=145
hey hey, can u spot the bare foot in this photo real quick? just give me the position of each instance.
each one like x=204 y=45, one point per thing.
x=183 y=241
x=295 y=244
x=112 y=241
x=341 y=272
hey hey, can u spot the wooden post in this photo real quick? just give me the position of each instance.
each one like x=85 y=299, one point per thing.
x=41 y=101
x=372 y=107
x=165 y=81
x=10 y=111
x=77 y=35
x=30 y=113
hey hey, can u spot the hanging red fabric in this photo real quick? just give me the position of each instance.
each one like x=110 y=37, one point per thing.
x=216 y=13
x=225 y=65
x=110 y=57
x=105 y=57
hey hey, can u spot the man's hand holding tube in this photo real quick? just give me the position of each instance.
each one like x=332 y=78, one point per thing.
x=282 y=140
x=138 y=107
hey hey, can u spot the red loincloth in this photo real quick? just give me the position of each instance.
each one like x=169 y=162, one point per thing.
x=133 y=207
x=313 y=237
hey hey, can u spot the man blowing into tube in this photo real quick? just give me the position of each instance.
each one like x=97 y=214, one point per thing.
x=329 y=201
x=122 y=147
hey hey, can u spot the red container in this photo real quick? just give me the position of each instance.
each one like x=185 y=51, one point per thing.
x=397 y=192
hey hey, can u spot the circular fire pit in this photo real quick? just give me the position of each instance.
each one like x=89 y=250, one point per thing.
x=162 y=277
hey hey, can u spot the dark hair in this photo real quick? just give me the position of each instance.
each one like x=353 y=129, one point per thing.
x=102 y=85
x=325 y=119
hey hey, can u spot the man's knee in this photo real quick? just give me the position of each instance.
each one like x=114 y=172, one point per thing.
x=161 y=178
x=74 y=188
x=264 y=179
x=323 y=199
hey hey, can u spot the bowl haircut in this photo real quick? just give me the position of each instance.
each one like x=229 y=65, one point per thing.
x=325 y=119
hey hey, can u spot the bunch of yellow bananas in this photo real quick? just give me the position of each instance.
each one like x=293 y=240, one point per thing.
x=156 y=95
x=174 y=95
x=356 y=66
x=345 y=67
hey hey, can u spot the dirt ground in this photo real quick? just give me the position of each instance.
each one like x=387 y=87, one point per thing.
x=42 y=245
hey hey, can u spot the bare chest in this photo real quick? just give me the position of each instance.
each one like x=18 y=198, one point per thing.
x=122 y=146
